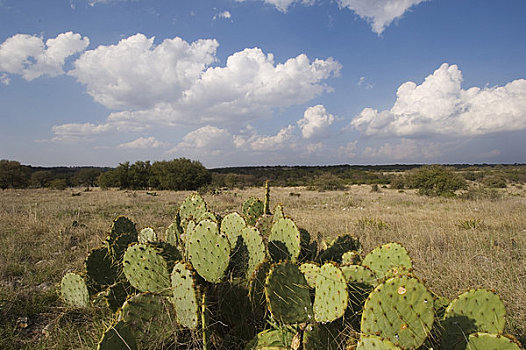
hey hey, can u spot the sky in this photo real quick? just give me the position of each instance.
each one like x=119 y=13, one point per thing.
x=262 y=82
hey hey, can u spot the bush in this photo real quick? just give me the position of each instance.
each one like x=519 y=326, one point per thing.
x=436 y=180
x=58 y=184
x=327 y=182
x=494 y=181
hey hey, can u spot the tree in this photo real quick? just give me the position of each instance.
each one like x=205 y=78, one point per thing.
x=86 y=177
x=41 y=178
x=179 y=174
x=436 y=180
x=13 y=174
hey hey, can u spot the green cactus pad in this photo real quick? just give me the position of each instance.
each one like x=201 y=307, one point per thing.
x=264 y=225
x=146 y=266
x=192 y=208
x=401 y=310
x=172 y=234
x=487 y=341
x=372 y=342
x=256 y=248
x=252 y=209
x=147 y=235
x=278 y=213
x=122 y=225
x=351 y=258
x=118 y=337
x=185 y=296
x=208 y=216
x=359 y=275
x=321 y=336
x=119 y=246
x=116 y=294
x=384 y=258
x=331 y=296
x=478 y=310
x=338 y=247
x=287 y=294
x=310 y=271
x=209 y=251
x=148 y=315
x=100 y=267
x=231 y=226
x=284 y=242
x=74 y=291
x=256 y=285
x=272 y=339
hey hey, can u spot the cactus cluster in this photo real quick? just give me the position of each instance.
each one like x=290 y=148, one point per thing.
x=256 y=281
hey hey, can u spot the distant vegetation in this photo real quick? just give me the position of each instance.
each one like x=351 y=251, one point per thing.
x=185 y=174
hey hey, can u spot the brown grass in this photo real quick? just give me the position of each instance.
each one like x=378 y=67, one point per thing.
x=455 y=245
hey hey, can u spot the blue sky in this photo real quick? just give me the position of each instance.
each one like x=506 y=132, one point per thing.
x=262 y=82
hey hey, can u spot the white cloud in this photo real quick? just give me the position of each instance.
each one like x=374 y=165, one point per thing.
x=223 y=15
x=208 y=138
x=380 y=13
x=171 y=84
x=315 y=122
x=142 y=143
x=136 y=74
x=350 y=150
x=283 y=5
x=439 y=106
x=405 y=150
x=283 y=139
x=28 y=56
x=362 y=82
x=4 y=79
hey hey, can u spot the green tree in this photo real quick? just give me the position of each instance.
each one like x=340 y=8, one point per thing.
x=13 y=174
x=41 y=178
x=86 y=177
x=179 y=174
x=436 y=180
x=139 y=175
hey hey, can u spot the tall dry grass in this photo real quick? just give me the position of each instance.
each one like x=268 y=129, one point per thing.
x=455 y=244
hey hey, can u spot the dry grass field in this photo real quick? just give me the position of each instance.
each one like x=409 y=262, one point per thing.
x=455 y=244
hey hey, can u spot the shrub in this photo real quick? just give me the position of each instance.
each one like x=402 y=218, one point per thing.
x=327 y=182
x=436 y=180
x=494 y=181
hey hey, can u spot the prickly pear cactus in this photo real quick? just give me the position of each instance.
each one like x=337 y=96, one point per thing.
x=252 y=209
x=208 y=216
x=74 y=291
x=122 y=225
x=256 y=284
x=351 y=258
x=338 y=247
x=100 y=267
x=149 y=317
x=287 y=294
x=478 y=310
x=147 y=266
x=116 y=294
x=401 y=310
x=255 y=248
x=172 y=234
x=280 y=338
x=388 y=256
x=231 y=226
x=209 y=251
x=373 y=342
x=331 y=296
x=192 y=208
x=310 y=271
x=321 y=336
x=185 y=296
x=146 y=235
x=118 y=337
x=487 y=341
x=358 y=275
x=284 y=242
x=278 y=212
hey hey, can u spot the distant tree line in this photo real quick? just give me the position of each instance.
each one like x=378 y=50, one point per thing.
x=185 y=174
x=177 y=174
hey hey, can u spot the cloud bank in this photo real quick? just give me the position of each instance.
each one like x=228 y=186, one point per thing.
x=440 y=107
x=28 y=55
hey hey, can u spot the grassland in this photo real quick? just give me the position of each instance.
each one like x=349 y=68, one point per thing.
x=455 y=244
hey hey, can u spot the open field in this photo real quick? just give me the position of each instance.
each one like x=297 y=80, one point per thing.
x=455 y=244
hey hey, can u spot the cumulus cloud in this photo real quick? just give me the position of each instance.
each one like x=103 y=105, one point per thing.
x=223 y=15
x=380 y=13
x=142 y=143
x=208 y=138
x=136 y=74
x=173 y=84
x=283 y=5
x=439 y=106
x=315 y=122
x=282 y=139
x=28 y=55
